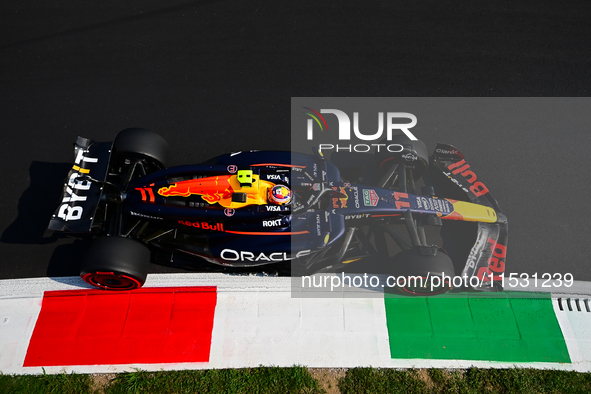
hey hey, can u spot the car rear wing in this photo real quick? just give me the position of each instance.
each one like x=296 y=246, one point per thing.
x=83 y=187
x=486 y=260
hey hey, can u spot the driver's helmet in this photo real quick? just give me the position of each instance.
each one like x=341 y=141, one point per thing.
x=279 y=195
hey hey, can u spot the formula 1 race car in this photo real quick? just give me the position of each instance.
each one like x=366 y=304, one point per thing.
x=248 y=209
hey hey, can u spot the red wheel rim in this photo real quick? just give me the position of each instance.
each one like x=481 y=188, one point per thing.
x=111 y=281
x=382 y=163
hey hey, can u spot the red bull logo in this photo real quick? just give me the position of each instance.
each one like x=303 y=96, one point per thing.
x=211 y=189
x=220 y=189
x=342 y=201
x=203 y=225
x=462 y=167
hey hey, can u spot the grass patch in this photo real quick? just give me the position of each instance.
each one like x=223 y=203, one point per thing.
x=471 y=381
x=298 y=380
x=261 y=380
x=58 y=384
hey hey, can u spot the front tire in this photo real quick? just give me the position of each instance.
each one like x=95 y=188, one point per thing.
x=116 y=263
x=412 y=263
x=414 y=156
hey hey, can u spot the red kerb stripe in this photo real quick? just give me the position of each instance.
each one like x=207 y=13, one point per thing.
x=148 y=325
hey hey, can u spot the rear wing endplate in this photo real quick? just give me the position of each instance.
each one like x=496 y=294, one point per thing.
x=82 y=187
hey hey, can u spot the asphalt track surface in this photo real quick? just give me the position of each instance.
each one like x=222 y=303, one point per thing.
x=218 y=76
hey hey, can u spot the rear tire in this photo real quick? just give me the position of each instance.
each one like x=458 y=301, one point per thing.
x=116 y=263
x=136 y=143
x=412 y=263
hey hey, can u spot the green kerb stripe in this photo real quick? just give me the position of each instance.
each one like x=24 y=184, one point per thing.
x=513 y=327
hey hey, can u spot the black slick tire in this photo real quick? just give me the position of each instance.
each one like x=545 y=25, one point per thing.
x=414 y=156
x=116 y=263
x=419 y=272
x=136 y=143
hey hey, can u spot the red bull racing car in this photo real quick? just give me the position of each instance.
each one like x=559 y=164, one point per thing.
x=249 y=209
